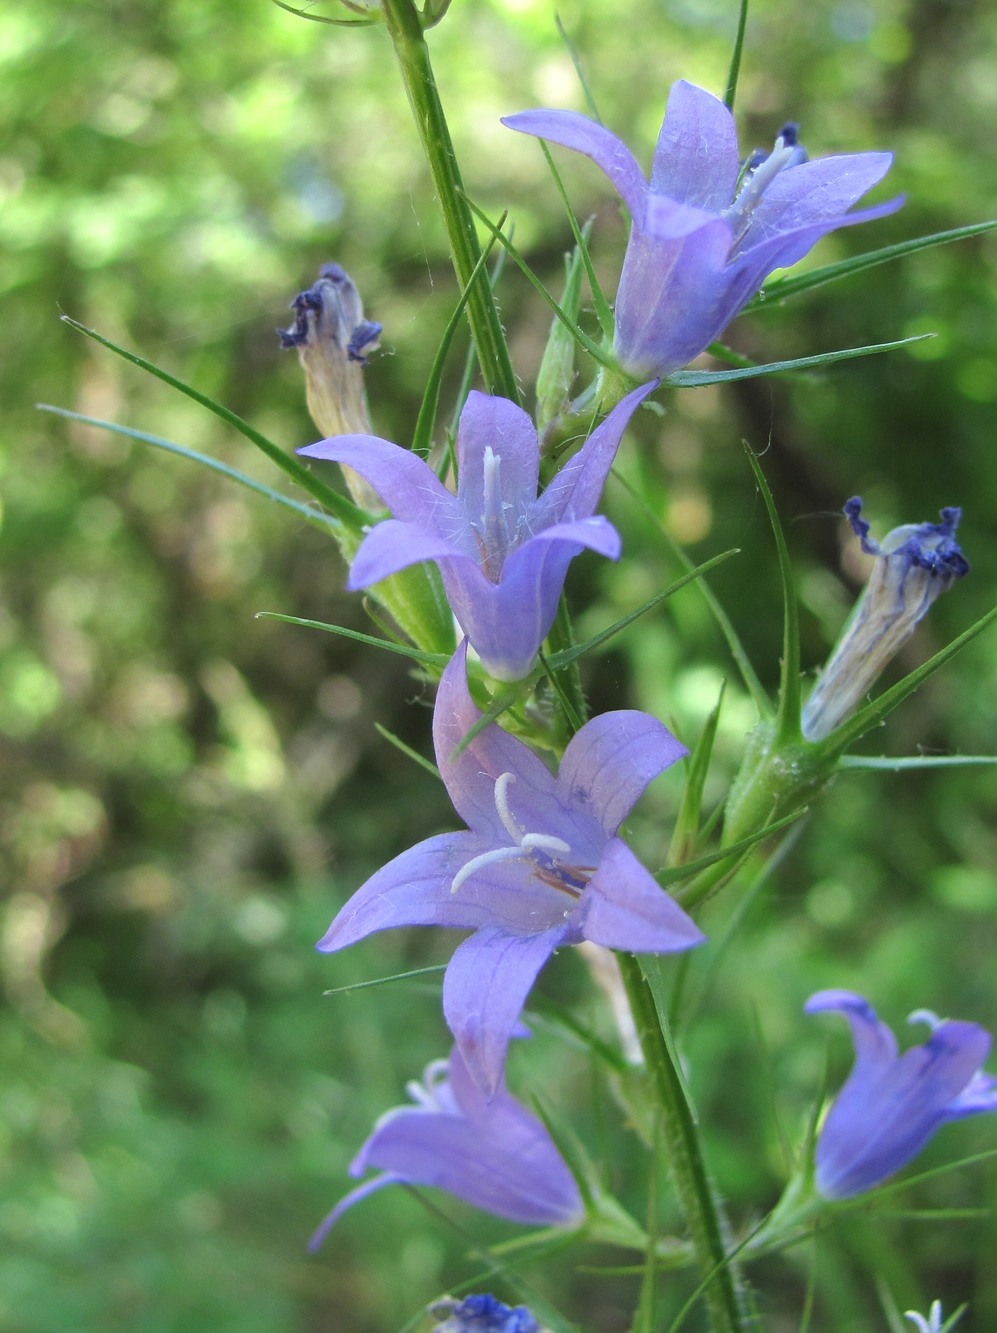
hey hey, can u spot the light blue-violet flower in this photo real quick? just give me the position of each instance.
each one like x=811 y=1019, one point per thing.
x=503 y=552
x=706 y=231
x=494 y=1154
x=933 y=1323
x=539 y=866
x=482 y=1314
x=915 y=564
x=892 y=1104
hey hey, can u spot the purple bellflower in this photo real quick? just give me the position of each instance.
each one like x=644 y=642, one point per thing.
x=892 y=1104
x=539 y=865
x=482 y=1314
x=503 y=552
x=707 y=230
x=915 y=564
x=493 y=1154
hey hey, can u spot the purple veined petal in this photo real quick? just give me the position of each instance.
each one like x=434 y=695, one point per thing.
x=624 y=907
x=671 y=302
x=610 y=762
x=874 y=1042
x=354 y=1196
x=749 y=268
x=696 y=158
x=499 y=425
x=820 y=191
x=392 y=545
x=507 y=622
x=575 y=490
x=413 y=889
x=408 y=487
x=470 y=775
x=484 y=990
x=571 y=130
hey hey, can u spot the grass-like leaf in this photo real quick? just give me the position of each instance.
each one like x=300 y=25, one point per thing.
x=407 y=750
x=685 y=835
x=857 y=762
x=602 y=308
x=337 y=504
x=438 y=660
x=694 y=379
x=318 y=516
x=730 y=88
x=781 y=289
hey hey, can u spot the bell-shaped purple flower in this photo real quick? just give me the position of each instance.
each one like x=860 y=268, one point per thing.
x=482 y=1314
x=539 y=865
x=892 y=1104
x=494 y=1154
x=915 y=564
x=707 y=231
x=503 y=552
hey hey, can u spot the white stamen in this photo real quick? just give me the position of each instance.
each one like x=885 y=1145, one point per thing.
x=485 y=859
x=523 y=843
x=509 y=821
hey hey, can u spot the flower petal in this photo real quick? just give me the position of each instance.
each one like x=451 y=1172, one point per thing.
x=493 y=423
x=407 y=485
x=576 y=488
x=470 y=775
x=672 y=301
x=413 y=889
x=696 y=158
x=484 y=990
x=571 y=130
x=821 y=191
x=610 y=762
x=624 y=907
x=392 y=545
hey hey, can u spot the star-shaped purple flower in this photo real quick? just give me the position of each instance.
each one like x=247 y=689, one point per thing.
x=503 y=552
x=539 y=865
x=706 y=232
x=494 y=1154
x=892 y=1104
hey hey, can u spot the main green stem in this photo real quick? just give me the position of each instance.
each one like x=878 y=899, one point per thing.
x=685 y=1160
x=407 y=37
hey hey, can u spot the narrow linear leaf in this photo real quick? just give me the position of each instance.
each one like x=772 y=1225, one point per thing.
x=584 y=341
x=602 y=309
x=386 y=981
x=306 y=511
x=692 y=379
x=730 y=88
x=402 y=649
x=562 y=659
x=789 y=685
x=335 y=23
x=569 y=46
x=774 y=293
x=337 y=504
x=735 y=851
x=422 y=438
x=737 y=650
x=686 y=832
x=407 y=750
x=859 y=761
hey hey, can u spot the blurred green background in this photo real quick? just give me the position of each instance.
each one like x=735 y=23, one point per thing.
x=187 y=794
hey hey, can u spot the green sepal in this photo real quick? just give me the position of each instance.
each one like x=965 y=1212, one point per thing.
x=692 y=379
x=686 y=833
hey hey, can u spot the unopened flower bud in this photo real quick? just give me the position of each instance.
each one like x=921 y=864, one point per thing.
x=915 y=564
x=333 y=340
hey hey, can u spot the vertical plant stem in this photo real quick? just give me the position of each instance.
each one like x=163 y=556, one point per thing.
x=407 y=37
x=685 y=1160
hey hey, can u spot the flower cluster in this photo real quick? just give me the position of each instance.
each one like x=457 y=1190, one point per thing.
x=540 y=863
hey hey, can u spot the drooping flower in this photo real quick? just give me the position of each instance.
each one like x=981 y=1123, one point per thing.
x=482 y=1314
x=915 y=564
x=892 y=1104
x=494 y=1154
x=539 y=866
x=503 y=551
x=706 y=231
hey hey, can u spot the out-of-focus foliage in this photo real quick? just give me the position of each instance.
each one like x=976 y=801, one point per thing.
x=187 y=794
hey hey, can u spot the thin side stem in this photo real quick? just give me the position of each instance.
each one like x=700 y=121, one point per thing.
x=685 y=1160
x=405 y=31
